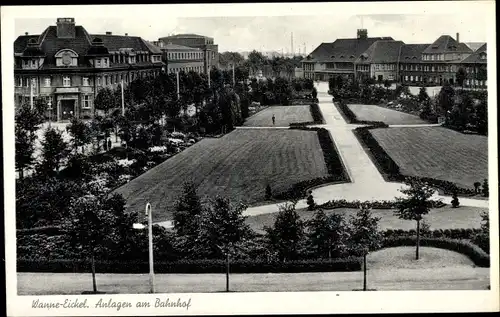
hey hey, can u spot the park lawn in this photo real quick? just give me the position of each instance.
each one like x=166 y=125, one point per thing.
x=238 y=165
x=437 y=152
x=284 y=116
x=388 y=116
x=438 y=218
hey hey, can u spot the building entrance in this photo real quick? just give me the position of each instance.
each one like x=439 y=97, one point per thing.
x=67 y=109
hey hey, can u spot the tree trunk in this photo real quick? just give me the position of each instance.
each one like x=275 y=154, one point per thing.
x=21 y=173
x=364 y=272
x=227 y=272
x=94 y=285
x=418 y=239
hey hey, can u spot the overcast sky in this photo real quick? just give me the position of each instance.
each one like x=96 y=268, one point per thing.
x=274 y=32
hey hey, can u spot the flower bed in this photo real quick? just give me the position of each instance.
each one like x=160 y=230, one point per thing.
x=375 y=204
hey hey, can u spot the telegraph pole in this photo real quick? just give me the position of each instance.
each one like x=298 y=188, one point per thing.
x=123 y=101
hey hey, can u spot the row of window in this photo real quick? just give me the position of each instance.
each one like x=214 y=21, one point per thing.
x=384 y=66
x=188 y=55
x=174 y=70
x=106 y=79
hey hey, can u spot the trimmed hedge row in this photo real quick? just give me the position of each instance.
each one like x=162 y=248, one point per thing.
x=316 y=114
x=351 y=117
x=474 y=252
x=464 y=234
x=193 y=266
x=390 y=170
x=298 y=190
x=375 y=204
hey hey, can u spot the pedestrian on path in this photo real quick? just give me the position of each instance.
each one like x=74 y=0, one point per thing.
x=274 y=119
x=109 y=144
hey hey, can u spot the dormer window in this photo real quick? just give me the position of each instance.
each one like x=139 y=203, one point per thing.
x=66 y=58
x=66 y=81
x=341 y=56
x=482 y=55
x=333 y=56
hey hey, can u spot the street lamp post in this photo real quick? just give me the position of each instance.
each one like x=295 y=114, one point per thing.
x=50 y=113
x=149 y=214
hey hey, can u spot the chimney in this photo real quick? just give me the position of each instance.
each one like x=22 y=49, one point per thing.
x=458 y=37
x=66 y=28
x=25 y=33
x=109 y=33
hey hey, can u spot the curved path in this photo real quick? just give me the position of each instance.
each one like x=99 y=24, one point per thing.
x=366 y=181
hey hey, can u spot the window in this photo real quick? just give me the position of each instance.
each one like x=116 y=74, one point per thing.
x=33 y=63
x=105 y=80
x=47 y=81
x=411 y=78
x=85 y=81
x=19 y=81
x=98 y=81
x=97 y=63
x=104 y=62
x=66 y=81
x=86 y=102
x=406 y=78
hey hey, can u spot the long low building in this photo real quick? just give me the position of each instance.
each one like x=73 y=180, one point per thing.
x=66 y=66
x=383 y=58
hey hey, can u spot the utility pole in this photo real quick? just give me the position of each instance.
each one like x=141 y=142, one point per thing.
x=178 y=91
x=31 y=93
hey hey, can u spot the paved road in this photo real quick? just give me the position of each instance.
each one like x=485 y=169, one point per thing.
x=450 y=278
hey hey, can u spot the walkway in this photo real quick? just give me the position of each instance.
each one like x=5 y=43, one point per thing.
x=366 y=182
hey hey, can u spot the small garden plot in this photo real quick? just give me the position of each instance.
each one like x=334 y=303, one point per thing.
x=284 y=115
x=436 y=152
x=388 y=116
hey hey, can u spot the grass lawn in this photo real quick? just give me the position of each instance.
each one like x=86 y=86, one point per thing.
x=389 y=116
x=284 y=116
x=439 y=218
x=437 y=152
x=238 y=165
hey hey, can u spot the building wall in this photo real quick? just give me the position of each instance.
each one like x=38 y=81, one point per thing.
x=383 y=71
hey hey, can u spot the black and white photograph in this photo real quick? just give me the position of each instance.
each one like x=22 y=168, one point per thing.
x=250 y=158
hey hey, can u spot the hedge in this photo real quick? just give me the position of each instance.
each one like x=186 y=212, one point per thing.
x=316 y=114
x=464 y=234
x=350 y=117
x=375 y=204
x=474 y=252
x=191 y=266
x=298 y=190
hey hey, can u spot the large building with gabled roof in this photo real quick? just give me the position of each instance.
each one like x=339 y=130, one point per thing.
x=383 y=58
x=66 y=66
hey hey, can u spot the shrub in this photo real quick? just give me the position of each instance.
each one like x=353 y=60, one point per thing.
x=310 y=202
x=269 y=193
x=190 y=266
x=454 y=202
x=486 y=188
x=474 y=252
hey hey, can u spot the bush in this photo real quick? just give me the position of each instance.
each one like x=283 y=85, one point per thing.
x=316 y=114
x=374 y=204
x=310 y=202
x=486 y=188
x=474 y=252
x=269 y=193
x=190 y=266
x=463 y=234
x=454 y=202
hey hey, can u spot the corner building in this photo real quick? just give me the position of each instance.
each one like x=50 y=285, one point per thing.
x=66 y=66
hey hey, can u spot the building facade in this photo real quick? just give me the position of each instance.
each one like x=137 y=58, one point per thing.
x=387 y=59
x=66 y=67
x=204 y=43
x=181 y=58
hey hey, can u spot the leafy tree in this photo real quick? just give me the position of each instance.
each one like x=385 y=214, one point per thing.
x=327 y=235
x=283 y=90
x=454 y=201
x=423 y=97
x=105 y=100
x=486 y=188
x=54 y=150
x=269 y=193
x=461 y=75
x=445 y=100
x=476 y=187
x=256 y=61
x=187 y=210
x=286 y=235
x=482 y=239
x=364 y=235
x=28 y=119
x=314 y=93
x=80 y=133
x=93 y=225
x=25 y=149
x=415 y=205
x=310 y=202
